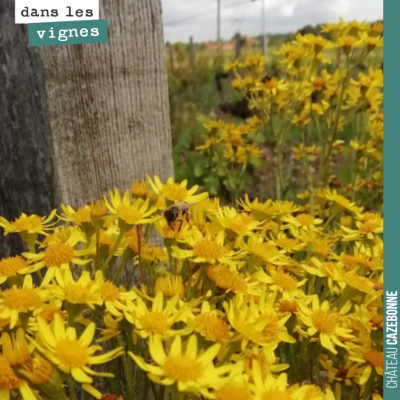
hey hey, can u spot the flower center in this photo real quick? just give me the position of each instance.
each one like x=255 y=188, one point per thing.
x=26 y=223
x=10 y=266
x=210 y=325
x=347 y=41
x=76 y=294
x=285 y=281
x=305 y=219
x=271 y=84
x=169 y=286
x=276 y=395
x=155 y=322
x=342 y=373
x=233 y=392
x=21 y=298
x=98 y=209
x=286 y=243
x=208 y=249
x=237 y=225
x=374 y=358
x=288 y=306
x=358 y=282
x=48 y=314
x=226 y=279
x=129 y=214
x=369 y=226
x=109 y=292
x=349 y=261
x=58 y=254
x=319 y=83
x=152 y=254
x=8 y=380
x=324 y=321
x=82 y=215
x=183 y=369
x=377 y=321
x=140 y=189
x=322 y=247
x=72 y=353
x=174 y=192
x=271 y=329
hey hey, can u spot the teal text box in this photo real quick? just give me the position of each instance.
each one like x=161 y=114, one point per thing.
x=68 y=32
x=391 y=193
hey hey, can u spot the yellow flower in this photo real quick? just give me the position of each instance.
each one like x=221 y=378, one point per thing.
x=111 y=295
x=348 y=42
x=81 y=293
x=269 y=363
x=191 y=371
x=316 y=43
x=176 y=192
x=210 y=324
x=263 y=252
x=233 y=391
x=140 y=189
x=277 y=389
x=289 y=245
x=231 y=66
x=302 y=221
x=79 y=217
x=57 y=257
x=308 y=153
x=41 y=372
x=16 y=349
x=159 y=319
x=171 y=232
x=153 y=254
x=130 y=212
x=28 y=224
x=213 y=125
x=47 y=311
x=98 y=209
x=16 y=301
x=236 y=224
x=10 y=382
x=208 y=143
x=169 y=285
x=257 y=323
x=370 y=358
x=341 y=202
x=11 y=267
x=345 y=374
x=71 y=354
x=207 y=249
x=326 y=323
x=282 y=281
x=230 y=280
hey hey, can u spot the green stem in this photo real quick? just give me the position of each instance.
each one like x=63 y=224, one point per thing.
x=336 y=123
x=114 y=248
x=125 y=259
x=128 y=370
x=71 y=386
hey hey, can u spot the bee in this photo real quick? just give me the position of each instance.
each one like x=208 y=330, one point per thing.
x=176 y=212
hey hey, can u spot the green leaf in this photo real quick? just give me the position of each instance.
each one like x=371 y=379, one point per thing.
x=199 y=168
x=344 y=174
x=212 y=185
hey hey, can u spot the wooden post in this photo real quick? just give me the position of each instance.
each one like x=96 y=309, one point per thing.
x=238 y=45
x=191 y=53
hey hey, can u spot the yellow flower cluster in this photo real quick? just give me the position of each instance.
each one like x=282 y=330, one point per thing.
x=248 y=304
x=324 y=101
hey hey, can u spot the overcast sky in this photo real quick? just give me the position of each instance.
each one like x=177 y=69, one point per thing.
x=180 y=21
